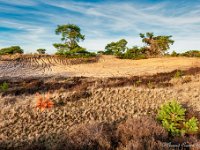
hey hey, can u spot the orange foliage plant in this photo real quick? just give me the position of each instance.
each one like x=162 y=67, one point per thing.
x=43 y=102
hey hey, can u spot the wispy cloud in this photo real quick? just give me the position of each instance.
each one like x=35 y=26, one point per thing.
x=101 y=22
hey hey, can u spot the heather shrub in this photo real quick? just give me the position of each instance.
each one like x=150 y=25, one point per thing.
x=140 y=129
x=91 y=136
x=173 y=118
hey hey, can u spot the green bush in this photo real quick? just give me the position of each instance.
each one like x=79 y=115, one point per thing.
x=4 y=87
x=11 y=50
x=172 y=116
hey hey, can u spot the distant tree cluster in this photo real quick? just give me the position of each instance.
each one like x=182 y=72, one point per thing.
x=11 y=50
x=154 y=46
x=189 y=53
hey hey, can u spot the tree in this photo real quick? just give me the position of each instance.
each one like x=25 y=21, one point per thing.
x=116 y=48
x=71 y=35
x=41 y=51
x=11 y=50
x=156 y=45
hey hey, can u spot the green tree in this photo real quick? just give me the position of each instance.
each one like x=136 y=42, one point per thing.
x=116 y=48
x=71 y=35
x=41 y=51
x=156 y=45
x=11 y=50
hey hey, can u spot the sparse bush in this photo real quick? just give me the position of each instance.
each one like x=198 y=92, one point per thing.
x=132 y=129
x=173 y=118
x=91 y=136
x=4 y=86
x=11 y=50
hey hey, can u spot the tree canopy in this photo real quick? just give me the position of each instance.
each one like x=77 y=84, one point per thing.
x=116 y=47
x=156 y=45
x=11 y=50
x=71 y=35
x=41 y=51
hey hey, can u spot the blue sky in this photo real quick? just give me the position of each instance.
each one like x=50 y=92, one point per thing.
x=32 y=23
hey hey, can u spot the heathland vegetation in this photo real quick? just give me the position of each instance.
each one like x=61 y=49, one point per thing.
x=49 y=102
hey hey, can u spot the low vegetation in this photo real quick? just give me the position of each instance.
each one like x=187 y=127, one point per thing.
x=142 y=133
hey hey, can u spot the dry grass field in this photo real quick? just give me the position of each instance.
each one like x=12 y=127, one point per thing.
x=107 y=104
x=107 y=66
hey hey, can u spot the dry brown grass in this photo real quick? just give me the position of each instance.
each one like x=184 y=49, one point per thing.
x=107 y=66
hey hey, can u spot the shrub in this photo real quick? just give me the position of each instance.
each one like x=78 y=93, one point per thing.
x=136 y=133
x=11 y=50
x=4 y=87
x=91 y=136
x=172 y=116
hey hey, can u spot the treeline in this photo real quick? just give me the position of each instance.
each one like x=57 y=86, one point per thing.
x=190 y=53
x=71 y=35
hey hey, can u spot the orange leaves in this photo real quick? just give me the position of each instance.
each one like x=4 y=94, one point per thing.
x=43 y=102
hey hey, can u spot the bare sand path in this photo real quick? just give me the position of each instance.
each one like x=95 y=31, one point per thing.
x=107 y=66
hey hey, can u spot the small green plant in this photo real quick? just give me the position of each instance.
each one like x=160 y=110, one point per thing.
x=4 y=87
x=172 y=116
x=178 y=74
